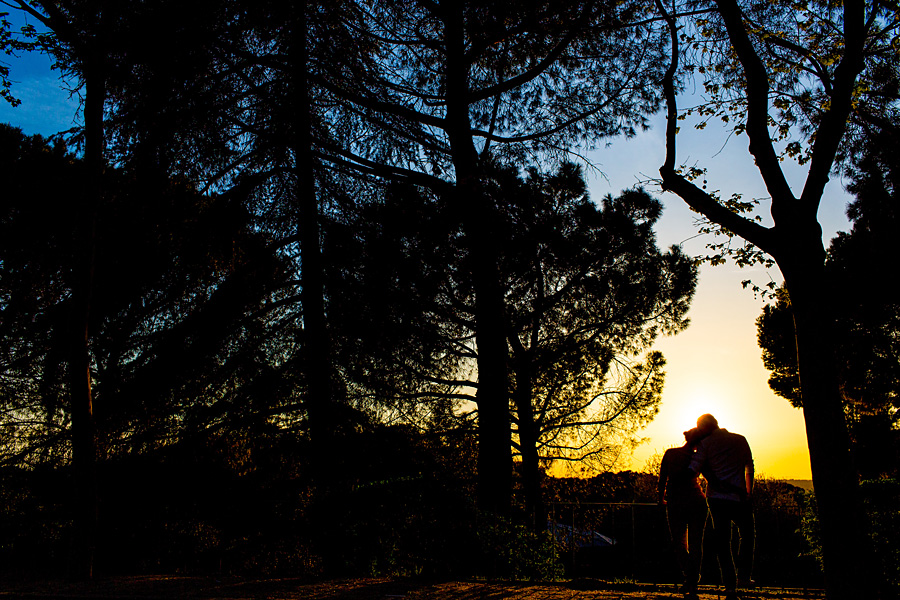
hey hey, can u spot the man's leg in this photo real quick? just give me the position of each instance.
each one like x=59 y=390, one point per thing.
x=722 y=513
x=747 y=530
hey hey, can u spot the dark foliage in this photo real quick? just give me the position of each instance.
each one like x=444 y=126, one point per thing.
x=177 y=280
x=218 y=326
x=623 y=507
x=241 y=502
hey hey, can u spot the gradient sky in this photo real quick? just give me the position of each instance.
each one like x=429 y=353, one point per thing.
x=715 y=365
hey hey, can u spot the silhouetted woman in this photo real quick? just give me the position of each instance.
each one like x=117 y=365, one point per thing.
x=679 y=490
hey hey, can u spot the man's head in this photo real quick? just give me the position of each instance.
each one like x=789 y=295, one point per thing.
x=707 y=423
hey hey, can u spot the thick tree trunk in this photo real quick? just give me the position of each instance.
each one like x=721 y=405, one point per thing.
x=795 y=242
x=494 y=442
x=841 y=517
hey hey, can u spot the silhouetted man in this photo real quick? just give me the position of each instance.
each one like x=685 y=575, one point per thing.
x=725 y=460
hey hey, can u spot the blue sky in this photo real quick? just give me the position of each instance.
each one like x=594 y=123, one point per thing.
x=46 y=107
x=715 y=365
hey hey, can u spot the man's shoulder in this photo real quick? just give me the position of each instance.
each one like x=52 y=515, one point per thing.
x=716 y=436
x=729 y=435
x=723 y=438
x=739 y=438
x=736 y=442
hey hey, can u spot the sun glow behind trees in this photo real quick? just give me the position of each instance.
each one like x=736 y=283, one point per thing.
x=715 y=358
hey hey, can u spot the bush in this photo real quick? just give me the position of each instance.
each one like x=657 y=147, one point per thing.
x=516 y=552
x=882 y=499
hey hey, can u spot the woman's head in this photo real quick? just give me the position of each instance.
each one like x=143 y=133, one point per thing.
x=693 y=436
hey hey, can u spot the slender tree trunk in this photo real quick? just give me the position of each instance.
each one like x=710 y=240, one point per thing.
x=84 y=454
x=494 y=443
x=528 y=441
x=329 y=455
x=84 y=446
x=316 y=347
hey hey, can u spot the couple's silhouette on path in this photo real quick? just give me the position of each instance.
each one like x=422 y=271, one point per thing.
x=726 y=463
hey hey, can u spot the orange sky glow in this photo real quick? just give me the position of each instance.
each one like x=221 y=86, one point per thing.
x=715 y=366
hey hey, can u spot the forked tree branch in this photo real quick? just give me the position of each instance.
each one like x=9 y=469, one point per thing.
x=673 y=181
x=757 y=88
x=834 y=121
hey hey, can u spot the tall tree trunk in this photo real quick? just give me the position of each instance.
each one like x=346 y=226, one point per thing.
x=795 y=241
x=316 y=348
x=84 y=453
x=84 y=446
x=528 y=441
x=834 y=476
x=494 y=443
x=330 y=454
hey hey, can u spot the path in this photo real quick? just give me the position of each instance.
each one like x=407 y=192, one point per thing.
x=197 y=588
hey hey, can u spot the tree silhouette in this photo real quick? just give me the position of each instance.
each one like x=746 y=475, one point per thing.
x=811 y=63
x=456 y=83
x=867 y=318
x=354 y=145
x=587 y=292
x=80 y=43
x=175 y=345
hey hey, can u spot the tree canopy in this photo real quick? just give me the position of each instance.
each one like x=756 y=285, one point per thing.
x=297 y=218
x=181 y=282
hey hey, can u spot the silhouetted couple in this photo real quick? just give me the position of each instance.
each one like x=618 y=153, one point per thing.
x=725 y=461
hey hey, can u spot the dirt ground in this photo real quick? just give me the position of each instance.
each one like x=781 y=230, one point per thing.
x=196 y=588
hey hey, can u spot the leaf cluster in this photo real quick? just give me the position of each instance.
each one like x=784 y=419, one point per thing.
x=800 y=45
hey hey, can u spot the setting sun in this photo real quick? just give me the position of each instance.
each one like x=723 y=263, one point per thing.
x=714 y=366
x=702 y=401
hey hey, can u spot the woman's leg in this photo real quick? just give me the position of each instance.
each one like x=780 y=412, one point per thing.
x=696 y=527
x=678 y=527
